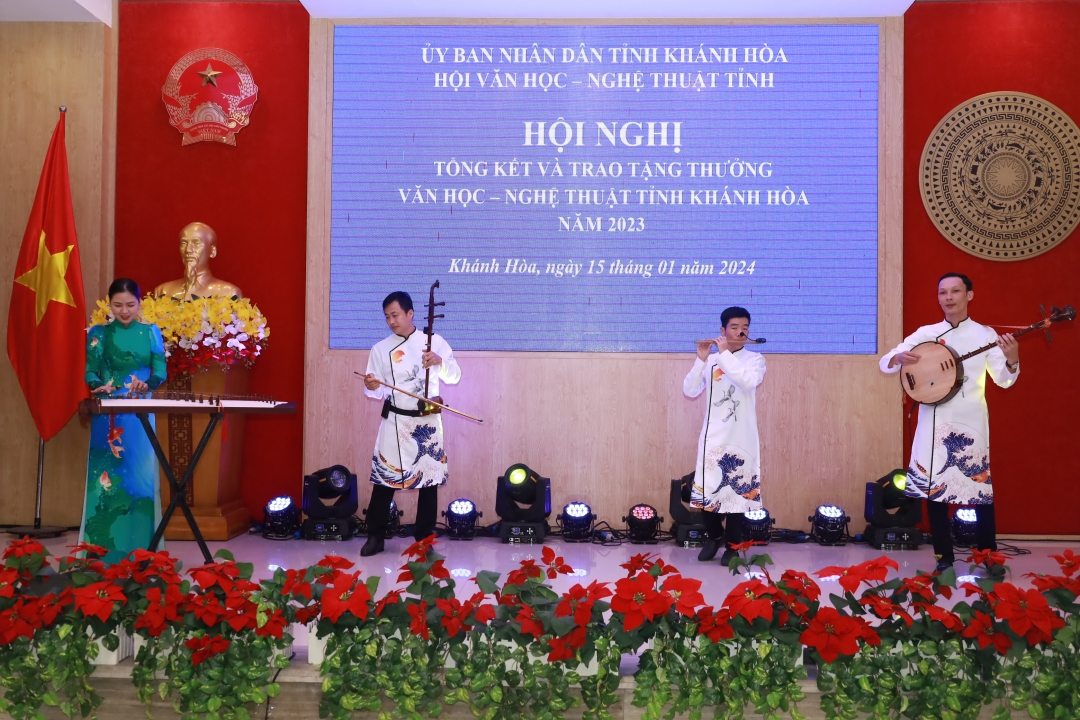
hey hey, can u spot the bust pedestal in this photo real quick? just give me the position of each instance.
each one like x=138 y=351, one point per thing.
x=214 y=492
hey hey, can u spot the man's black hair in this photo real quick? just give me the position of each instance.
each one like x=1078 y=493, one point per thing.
x=967 y=281
x=400 y=297
x=733 y=312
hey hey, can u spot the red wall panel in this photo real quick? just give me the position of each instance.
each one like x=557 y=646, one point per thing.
x=254 y=195
x=952 y=52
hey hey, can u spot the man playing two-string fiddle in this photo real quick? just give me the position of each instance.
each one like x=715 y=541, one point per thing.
x=727 y=478
x=950 y=456
x=409 y=451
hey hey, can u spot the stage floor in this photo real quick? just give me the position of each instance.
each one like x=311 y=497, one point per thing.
x=591 y=561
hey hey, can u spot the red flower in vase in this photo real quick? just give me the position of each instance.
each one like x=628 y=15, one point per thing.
x=98 y=600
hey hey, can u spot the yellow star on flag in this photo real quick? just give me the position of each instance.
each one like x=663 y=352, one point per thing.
x=47 y=279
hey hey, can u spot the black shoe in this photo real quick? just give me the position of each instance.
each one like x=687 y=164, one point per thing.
x=944 y=565
x=708 y=550
x=728 y=556
x=373 y=546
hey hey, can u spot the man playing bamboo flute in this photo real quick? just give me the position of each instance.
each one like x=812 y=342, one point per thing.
x=950 y=456
x=409 y=451
x=727 y=478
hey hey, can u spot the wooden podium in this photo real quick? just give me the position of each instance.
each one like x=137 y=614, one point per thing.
x=214 y=494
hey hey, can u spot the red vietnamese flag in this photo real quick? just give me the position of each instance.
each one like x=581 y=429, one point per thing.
x=46 y=338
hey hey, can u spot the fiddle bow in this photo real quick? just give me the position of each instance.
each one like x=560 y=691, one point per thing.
x=429 y=331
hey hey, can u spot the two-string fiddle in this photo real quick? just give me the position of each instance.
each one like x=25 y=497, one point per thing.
x=430 y=331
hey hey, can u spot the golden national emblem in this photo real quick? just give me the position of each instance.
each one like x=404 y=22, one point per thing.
x=209 y=94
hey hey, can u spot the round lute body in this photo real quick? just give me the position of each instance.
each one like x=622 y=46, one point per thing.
x=938 y=375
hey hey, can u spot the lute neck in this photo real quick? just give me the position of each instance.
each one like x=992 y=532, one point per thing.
x=1034 y=326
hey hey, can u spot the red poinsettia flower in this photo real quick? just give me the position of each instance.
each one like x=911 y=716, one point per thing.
x=1046 y=583
x=223 y=574
x=981 y=628
x=419 y=550
x=164 y=608
x=885 y=608
x=485 y=614
x=98 y=599
x=49 y=606
x=23 y=547
x=438 y=571
x=391 y=598
x=530 y=622
x=13 y=624
x=921 y=586
x=751 y=600
x=951 y=621
x=274 y=626
x=556 y=565
x=528 y=569
x=240 y=613
x=832 y=634
x=455 y=615
x=867 y=633
x=305 y=615
x=686 y=594
x=636 y=598
x=1069 y=562
x=9 y=578
x=296 y=585
x=989 y=558
x=801 y=583
x=565 y=648
x=850 y=578
x=418 y=613
x=206 y=608
x=715 y=625
x=665 y=568
x=336 y=564
x=579 y=602
x=637 y=563
x=205 y=647
x=154 y=566
x=91 y=551
x=744 y=546
x=1027 y=613
x=347 y=594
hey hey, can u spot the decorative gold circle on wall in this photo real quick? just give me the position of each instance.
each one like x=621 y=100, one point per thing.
x=1000 y=176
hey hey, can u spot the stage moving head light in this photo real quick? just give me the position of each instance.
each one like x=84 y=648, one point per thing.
x=643 y=524
x=689 y=523
x=828 y=525
x=576 y=522
x=461 y=517
x=523 y=504
x=281 y=519
x=330 y=501
x=891 y=514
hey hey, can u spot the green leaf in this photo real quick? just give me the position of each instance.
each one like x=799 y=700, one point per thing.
x=163 y=690
x=224 y=555
x=63 y=631
x=1002 y=713
x=488 y=581
x=50 y=699
x=213 y=704
x=273 y=690
x=372 y=584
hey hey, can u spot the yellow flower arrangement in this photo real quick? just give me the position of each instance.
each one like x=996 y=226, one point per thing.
x=199 y=332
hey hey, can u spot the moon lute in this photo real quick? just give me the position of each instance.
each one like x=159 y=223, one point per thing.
x=938 y=375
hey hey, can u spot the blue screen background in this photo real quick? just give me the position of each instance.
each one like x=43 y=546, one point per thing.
x=813 y=285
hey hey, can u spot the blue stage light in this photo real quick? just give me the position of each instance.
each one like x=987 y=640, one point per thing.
x=461 y=519
x=576 y=522
x=829 y=525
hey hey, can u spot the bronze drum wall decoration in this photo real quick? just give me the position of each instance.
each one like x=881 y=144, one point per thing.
x=1000 y=176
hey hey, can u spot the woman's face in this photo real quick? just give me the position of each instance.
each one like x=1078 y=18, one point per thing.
x=125 y=307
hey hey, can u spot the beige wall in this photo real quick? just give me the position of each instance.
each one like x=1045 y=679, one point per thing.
x=46 y=65
x=613 y=429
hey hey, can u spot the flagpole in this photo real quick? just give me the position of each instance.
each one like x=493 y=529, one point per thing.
x=38 y=531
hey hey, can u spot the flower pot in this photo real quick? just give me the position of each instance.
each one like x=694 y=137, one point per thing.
x=214 y=493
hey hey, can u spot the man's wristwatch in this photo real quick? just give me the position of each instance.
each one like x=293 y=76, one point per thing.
x=1011 y=367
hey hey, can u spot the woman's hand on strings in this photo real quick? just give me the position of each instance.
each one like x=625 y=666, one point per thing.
x=137 y=386
x=103 y=389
